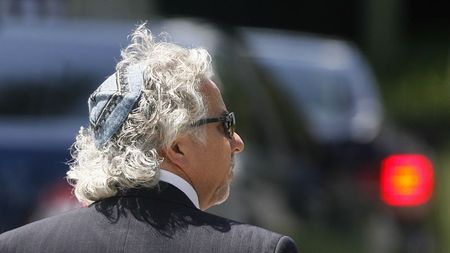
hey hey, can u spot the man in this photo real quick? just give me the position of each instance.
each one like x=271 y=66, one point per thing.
x=159 y=151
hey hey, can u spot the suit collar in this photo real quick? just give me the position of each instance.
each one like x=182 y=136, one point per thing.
x=162 y=191
x=181 y=184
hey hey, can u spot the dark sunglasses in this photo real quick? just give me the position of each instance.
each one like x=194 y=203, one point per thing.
x=228 y=122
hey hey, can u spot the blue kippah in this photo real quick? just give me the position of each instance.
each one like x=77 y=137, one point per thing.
x=113 y=100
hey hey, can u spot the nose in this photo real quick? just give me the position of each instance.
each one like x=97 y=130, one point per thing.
x=237 y=143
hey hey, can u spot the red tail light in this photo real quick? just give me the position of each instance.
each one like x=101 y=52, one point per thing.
x=406 y=180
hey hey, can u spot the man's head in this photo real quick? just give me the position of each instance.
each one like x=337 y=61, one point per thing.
x=159 y=130
x=207 y=163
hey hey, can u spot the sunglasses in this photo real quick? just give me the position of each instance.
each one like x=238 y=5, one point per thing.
x=228 y=123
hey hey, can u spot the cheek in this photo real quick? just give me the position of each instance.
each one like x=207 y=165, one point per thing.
x=221 y=158
x=217 y=152
x=212 y=157
x=224 y=151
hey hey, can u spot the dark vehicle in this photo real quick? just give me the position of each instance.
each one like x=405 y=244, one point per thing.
x=47 y=72
x=347 y=167
x=307 y=107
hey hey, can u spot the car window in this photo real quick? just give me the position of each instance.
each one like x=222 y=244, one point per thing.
x=55 y=97
x=316 y=90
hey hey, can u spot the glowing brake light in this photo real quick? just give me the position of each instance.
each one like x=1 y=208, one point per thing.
x=406 y=180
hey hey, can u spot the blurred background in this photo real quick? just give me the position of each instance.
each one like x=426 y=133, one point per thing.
x=343 y=106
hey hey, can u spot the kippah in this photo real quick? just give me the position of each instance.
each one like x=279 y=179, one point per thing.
x=113 y=100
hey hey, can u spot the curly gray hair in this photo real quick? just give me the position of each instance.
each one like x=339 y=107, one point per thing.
x=170 y=102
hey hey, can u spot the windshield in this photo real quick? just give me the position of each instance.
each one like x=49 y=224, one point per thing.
x=319 y=92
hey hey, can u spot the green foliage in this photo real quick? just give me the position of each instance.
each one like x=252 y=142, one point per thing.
x=319 y=239
x=417 y=95
x=420 y=91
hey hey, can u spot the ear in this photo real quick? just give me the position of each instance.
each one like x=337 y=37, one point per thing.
x=178 y=152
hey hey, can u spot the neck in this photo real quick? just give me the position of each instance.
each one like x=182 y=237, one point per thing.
x=167 y=165
x=181 y=184
x=177 y=171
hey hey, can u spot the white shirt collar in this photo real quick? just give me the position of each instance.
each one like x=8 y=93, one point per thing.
x=181 y=184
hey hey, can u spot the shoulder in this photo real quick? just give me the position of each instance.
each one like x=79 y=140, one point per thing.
x=264 y=240
x=286 y=245
x=39 y=225
x=249 y=238
x=29 y=237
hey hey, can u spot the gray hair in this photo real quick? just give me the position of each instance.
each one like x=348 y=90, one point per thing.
x=170 y=102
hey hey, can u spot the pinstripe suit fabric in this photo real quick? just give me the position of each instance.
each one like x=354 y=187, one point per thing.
x=157 y=220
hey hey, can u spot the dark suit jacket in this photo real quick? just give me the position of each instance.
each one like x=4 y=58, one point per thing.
x=158 y=220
